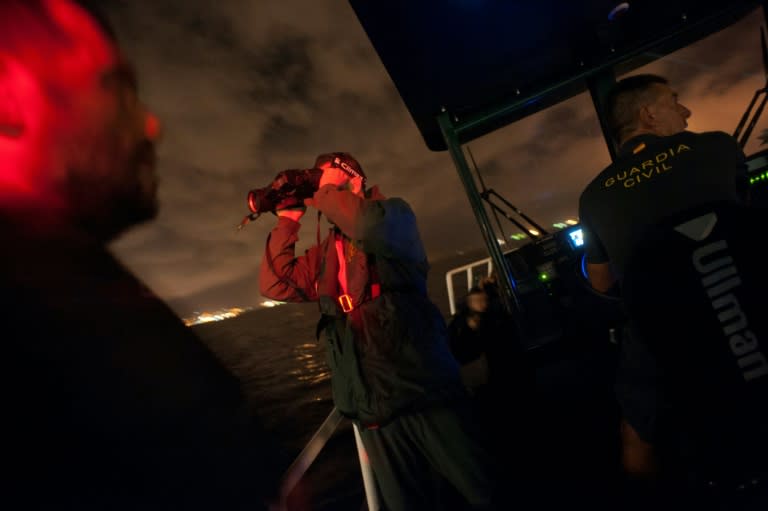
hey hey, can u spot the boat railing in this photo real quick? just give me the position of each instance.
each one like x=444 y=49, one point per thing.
x=307 y=456
x=471 y=271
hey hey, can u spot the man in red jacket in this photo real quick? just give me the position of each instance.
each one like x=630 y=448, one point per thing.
x=392 y=370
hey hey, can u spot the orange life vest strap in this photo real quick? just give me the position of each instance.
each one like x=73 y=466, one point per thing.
x=345 y=300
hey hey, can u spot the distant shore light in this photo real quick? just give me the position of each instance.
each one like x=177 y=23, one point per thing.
x=221 y=314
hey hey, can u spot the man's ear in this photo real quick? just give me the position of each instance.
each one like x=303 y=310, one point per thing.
x=11 y=120
x=646 y=116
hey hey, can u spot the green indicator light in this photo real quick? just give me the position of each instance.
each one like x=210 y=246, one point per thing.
x=758 y=178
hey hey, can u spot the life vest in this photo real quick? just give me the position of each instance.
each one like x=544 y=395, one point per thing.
x=354 y=292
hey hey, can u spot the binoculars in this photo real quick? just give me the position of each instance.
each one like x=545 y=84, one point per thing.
x=288 y=189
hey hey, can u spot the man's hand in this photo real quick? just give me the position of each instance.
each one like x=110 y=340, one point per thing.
x=294 y=213
x=601 y=277
x=637 y=456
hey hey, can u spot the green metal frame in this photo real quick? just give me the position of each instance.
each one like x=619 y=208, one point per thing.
x=599 y=82
x=506 y=286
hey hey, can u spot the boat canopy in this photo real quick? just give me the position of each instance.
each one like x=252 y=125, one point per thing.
x=491 y=62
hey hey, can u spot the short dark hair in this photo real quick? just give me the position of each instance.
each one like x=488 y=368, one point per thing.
x=96 y=9
x=624 y=100
x=93 y=7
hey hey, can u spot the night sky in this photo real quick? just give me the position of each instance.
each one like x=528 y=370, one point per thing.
x=248 y=88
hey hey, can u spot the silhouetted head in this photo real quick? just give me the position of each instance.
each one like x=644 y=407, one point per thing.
x=477 y=300
x=75 y=140
x=644 y=104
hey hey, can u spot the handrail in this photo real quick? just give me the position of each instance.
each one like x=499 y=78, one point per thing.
x=301 y=464
x=307 y=456
x=468 y=268
x=369 y=483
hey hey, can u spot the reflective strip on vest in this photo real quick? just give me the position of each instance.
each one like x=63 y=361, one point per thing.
x=345 y=300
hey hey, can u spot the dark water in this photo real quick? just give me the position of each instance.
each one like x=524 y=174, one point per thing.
x=568 y=450
x=566 y=456
x=284 y=375
x=283 y=371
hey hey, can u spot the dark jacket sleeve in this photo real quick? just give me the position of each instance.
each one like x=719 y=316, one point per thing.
x=282 y=275
x=385 y=227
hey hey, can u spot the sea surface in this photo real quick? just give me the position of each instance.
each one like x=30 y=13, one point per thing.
x=570 y=447
x=284 y=375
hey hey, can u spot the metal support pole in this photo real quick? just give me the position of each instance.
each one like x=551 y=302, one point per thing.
x=301 y=464
x=765 y=11
x=599 y=85
x=506 y=282
x=369 y=483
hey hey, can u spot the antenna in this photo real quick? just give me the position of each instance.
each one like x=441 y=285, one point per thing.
x=483 y=191
x=487 y=194
x=764 y=92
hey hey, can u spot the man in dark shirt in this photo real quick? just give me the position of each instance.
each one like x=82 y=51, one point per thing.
x=661 y=170
x=110 y=402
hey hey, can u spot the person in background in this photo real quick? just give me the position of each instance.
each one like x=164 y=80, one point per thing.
x=661 y=169
x=496 y=371
x=482 y=339
x=392 y=372
x=467 y=345
x=110 y=401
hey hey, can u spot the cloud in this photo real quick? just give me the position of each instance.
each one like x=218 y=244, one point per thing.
x=245 y=91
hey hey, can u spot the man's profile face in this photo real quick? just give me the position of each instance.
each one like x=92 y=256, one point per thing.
x=77 y=141
x=668 y=115
x=332 y=176
x=337 y=177
x=115 y=173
